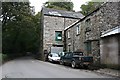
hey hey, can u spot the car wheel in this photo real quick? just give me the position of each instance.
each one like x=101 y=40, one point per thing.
x=73 y=64
x=49 y=60
x=86 y=66
x=61 y=62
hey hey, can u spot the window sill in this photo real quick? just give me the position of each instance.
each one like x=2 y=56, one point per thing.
x=77 y=34
x=68 y=38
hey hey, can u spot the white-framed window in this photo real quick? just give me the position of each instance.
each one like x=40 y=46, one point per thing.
x=78 y=29
x=68 y=34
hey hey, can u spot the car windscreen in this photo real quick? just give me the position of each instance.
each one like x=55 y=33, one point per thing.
x=55 y=55
x=78 y=54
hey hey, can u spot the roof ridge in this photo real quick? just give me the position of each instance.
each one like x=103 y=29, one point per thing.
x=60 y=10
x=62 y=13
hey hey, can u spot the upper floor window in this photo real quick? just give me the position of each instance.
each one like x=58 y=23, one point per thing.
x=78 y=29
x=88 y=25
x=58 y=35
x=87 y=22
x=68 y=34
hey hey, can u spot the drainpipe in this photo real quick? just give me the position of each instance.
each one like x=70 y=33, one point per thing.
x=64 y=42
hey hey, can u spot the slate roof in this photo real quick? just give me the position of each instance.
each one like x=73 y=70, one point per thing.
x=115 y=30
x=62 y=13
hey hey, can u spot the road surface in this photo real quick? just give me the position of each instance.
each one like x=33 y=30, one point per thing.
x=31 y=68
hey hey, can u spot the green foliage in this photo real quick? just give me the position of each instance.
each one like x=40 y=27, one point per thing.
x=0 y=58
x=20 y=29
x=4 y=57
x=89 y=7
x=60 y=5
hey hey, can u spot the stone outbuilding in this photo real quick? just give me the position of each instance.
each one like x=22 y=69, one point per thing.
x=110 y=47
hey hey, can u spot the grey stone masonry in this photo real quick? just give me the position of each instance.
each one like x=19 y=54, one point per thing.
x=52 y=24
x=52 y=21
x=91 y=28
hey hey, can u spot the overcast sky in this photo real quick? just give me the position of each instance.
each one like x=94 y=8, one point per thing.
x=38 y=4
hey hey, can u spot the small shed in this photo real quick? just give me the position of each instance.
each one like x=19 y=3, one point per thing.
x=110 y=47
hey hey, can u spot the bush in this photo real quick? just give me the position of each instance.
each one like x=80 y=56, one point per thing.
x=4 y=58
x=0 y=58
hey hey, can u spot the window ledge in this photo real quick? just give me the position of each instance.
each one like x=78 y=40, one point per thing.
x=68 y=38
x=77 y=34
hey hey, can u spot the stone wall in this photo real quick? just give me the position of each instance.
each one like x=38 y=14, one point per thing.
x=52 y=24
x=92 y=26
x=104 y=19
x=76 y=41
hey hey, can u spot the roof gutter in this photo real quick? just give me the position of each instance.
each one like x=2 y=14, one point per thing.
x=113 y=31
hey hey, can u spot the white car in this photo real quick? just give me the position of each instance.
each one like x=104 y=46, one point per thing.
x=53 y=57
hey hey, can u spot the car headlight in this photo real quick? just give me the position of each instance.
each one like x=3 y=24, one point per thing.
x=80 y=58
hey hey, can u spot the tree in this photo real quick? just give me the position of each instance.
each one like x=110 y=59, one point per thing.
x=20 y=29
x=60 y=5
x=89 y=7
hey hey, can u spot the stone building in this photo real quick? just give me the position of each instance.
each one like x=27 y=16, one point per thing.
x=53 y=23
x=74 y=37
x=86 y=33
